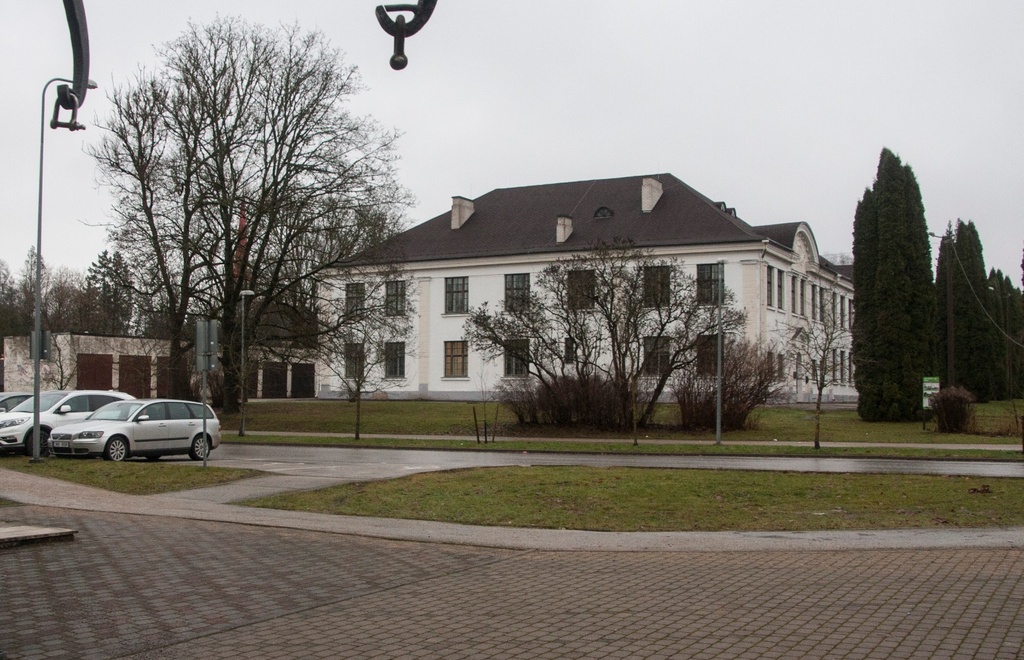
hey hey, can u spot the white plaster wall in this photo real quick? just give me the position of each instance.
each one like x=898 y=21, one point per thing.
x=744 y=275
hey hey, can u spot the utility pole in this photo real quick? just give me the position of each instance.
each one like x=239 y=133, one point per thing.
x=950 y=348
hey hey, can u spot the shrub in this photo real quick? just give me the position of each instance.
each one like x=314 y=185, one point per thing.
x=562 y=401
x=954 y=410
x=749 y=379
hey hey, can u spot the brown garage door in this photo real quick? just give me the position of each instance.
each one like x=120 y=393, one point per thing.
x=95 y=371
x=133 y=375
x=275 y=380
x=303 y=381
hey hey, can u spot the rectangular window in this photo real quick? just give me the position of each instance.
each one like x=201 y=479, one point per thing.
x=582 y=289
x=708 y=276
x=570 y=355
x=835 y=315
x=394 y=359
x=835 y=373
x=803 y=297
x=456 y=295
x=394 y=298
x=792 y=293
x=355 y=298
x=657 y=356
x=771 y=285
x=517 y=291
x=456 y=359
x=782 y=367
x=657 y=286
x=842 y=366
x=707 y=355
x=780 y=288
x=354 y=360
x=517 y=358
x=842 y=311
x=814 y=302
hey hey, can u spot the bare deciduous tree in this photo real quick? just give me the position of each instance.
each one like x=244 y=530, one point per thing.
x=615 y=314
x=238 y=166
x=822 y=339
x=374 y=318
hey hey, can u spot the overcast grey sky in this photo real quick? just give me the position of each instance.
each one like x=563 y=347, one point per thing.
x=778 y=108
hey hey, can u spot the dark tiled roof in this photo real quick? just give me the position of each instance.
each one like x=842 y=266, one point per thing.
x=784 y=234
x=845 y=270
x=517 y=221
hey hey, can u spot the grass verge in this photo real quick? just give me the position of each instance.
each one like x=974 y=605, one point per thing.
x=708 y=448
x=131 y=477
x=998 y=422
x=633 y=500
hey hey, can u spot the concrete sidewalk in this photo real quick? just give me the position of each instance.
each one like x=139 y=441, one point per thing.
x=231 y=436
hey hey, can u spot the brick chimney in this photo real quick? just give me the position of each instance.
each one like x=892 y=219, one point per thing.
x=563 y=229
x=462 y=208
x=650 y=193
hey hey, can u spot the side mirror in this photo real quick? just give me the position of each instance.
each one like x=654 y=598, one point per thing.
x=142 y=418
x=2 y=409
x=63 y=410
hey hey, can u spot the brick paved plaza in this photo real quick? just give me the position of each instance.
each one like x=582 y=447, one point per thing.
x=153 y=587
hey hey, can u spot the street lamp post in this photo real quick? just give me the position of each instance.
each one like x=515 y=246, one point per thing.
x=718 y=406
x=245 y=381
x=37 y=328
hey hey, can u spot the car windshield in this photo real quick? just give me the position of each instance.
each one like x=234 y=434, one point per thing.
x=49 y=399
x=118 y=411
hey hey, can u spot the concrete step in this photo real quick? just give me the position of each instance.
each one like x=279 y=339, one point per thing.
x=13 y=535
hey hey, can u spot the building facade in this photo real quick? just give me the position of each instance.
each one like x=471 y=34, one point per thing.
x=493 y=247
x=134 y=365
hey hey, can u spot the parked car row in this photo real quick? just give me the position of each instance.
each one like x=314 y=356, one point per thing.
x=10 y=399
x=113 y=425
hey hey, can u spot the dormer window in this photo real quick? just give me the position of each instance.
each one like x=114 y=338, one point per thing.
x=603 y=212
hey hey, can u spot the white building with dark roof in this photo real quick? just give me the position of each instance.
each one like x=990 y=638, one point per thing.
x=471 y=254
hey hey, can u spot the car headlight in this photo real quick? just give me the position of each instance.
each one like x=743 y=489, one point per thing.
x=11 y=422
x=90 y=435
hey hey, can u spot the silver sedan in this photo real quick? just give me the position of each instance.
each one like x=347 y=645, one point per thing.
x=142 y=427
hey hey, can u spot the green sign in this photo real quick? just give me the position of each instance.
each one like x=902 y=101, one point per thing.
x=929 y=386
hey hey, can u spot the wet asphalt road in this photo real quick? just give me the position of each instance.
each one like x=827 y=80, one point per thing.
x=348 y=464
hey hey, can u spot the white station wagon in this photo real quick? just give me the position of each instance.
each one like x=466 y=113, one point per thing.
x=142 y=427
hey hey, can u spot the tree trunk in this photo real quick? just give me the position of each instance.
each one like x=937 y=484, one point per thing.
x=180 y=370
x=230 y=353
x=359 y=412
x=817 y=421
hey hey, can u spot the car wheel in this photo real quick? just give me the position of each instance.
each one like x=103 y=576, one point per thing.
x=198 y=449
x=116 y=449
x=44 y=442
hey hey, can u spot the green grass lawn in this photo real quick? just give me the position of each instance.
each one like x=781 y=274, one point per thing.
x=629 y=499
x=997 y=423
x=131 y=477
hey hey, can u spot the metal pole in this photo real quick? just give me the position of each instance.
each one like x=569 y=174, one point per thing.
x=206 y=452
x=950 y=352
x=37 y=325
x=718 y=408
x=241 y=426
x=37 y=331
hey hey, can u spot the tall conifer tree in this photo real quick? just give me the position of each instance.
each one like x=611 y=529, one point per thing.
x=976 y=335
x=895 y=305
